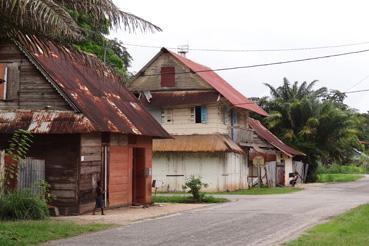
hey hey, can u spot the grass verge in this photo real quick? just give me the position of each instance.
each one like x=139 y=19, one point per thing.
x=338 y=177
x=187 y=199
x=31 y=232
x=262 y=191
x=351 y=228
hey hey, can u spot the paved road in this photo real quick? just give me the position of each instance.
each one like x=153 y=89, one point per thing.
x=249 y=220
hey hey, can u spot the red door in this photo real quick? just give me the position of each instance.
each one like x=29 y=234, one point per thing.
x=120 y=176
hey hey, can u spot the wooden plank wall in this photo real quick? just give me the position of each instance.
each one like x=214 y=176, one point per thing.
x=120 y=175
x=182 y=81
x=31 y=173
x=90 y=170
x=27 y=88
x=61 y=155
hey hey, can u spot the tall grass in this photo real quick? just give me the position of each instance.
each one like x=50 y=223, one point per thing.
x=345 y=169
x=22 y=205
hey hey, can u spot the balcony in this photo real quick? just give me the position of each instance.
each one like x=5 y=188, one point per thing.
x=242 y=135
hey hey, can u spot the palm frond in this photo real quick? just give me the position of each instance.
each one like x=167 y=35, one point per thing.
x=44 y=17
x=273 y=91
x=101 y=10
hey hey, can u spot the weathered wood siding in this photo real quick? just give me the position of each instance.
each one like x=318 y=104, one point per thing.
x=183 y=124
x=26 y=87
x=182 y=81
x=90 y=170
x=61 y=155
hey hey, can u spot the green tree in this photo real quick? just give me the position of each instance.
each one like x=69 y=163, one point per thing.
x=78 y=23
x=313 y=121
x=52 y=19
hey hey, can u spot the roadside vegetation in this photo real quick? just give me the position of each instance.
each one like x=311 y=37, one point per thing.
x=340 y=173
x=351 y=228
x=30 y=232
x=338 y=177
x=193 y=185
x=317 y=122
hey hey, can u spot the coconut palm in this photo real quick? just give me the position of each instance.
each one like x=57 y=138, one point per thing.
x=51 y=19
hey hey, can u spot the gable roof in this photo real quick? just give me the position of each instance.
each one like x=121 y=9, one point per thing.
x=215 y=81
x=272 y=139
x=108 y=105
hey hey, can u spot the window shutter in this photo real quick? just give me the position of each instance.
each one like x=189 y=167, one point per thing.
x=234 y=117
x=167 y=76
x=12 y=81
x=204 y=114
x=192 y=114
x=3 y=81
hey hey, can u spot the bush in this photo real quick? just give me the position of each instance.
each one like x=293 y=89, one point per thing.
x=22 y=205
x=195 y=184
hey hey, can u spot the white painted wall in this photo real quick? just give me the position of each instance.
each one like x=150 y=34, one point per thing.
x=221 y=171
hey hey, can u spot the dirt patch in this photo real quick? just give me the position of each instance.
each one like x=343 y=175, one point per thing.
x=127 y=215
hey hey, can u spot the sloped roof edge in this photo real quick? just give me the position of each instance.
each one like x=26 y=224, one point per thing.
x=272 y=139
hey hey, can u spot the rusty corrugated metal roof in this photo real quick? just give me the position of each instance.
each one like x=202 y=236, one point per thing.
x=44 y=122
x=219 y=84
x=272 y=139
x=101 y=98
x=197 y=143
x=175 y=98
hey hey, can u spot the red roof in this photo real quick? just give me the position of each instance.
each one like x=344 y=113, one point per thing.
x=219 y=84
x=107 y=104
x=269 y=137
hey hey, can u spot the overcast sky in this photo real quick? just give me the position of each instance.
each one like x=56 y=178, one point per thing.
x=261 y=24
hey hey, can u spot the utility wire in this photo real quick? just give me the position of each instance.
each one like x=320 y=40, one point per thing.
x=264 y=64
x=350 y=92
x=359 y=82
x=253 y=50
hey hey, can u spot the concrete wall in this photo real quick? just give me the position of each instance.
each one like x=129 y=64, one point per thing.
x=221 y=171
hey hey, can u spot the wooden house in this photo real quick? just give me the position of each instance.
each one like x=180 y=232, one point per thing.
x=210 y=124
x=207 y=118
x=87 y=126
x=279 y=159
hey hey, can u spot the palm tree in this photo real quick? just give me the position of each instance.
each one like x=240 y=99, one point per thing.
x=288 y=93
x=52 y=20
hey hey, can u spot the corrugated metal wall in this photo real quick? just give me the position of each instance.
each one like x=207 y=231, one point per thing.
x=31 y=174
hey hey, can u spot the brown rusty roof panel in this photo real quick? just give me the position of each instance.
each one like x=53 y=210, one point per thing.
x=100 y=97
x=175 y=98
x=197 y=143
x=44 y=122
x=272 y=139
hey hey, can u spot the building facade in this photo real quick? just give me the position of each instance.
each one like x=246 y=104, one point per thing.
x=87 y=127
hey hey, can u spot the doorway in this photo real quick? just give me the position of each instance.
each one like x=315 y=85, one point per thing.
x=138 y=176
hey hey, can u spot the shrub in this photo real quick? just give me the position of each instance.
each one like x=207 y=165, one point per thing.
x=194 y=184
x=22 y=205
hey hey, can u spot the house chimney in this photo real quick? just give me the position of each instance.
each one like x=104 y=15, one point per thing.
x=183 y=49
